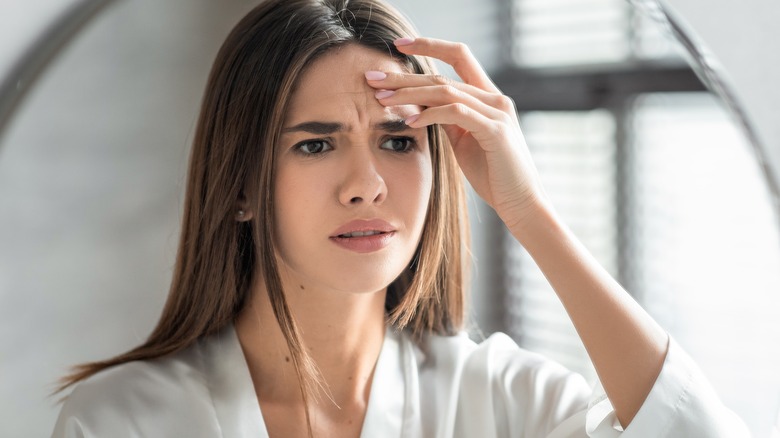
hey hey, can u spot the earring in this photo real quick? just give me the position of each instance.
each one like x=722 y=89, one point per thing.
x=240 y=212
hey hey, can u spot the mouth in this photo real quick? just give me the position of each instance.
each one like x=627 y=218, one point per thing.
x=363 y=228
x=355 y=234
x=364 y=236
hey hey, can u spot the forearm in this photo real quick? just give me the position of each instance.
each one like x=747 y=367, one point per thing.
x=626 y=345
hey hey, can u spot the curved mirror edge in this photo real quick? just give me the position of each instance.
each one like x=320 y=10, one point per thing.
x=33 y=59
x=706 y=66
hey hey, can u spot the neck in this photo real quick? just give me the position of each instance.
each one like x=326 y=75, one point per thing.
x=343 y=332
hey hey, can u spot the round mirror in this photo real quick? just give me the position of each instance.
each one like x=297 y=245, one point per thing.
x=649 y=169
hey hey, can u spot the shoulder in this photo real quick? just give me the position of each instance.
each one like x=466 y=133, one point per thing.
x=140 y=398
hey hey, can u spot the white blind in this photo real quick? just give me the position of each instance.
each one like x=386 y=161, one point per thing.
x=569 y=32
x=575 y=154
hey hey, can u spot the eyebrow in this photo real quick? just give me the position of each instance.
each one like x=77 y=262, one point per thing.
x=324 y=128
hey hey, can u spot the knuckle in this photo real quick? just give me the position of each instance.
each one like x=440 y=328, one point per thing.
x=506 y=120
x=461 y=109
x=440 y=79
x=506 y=103
x=462 y=49
x=450 y=90
x=498 y=129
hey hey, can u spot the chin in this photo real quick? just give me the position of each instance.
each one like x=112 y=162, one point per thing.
x=364 y=275
x=361 y=286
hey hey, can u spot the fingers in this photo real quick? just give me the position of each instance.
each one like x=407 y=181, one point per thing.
x=458 y=55
x=402 y=86
x=437 y=95
x=479 y=126
x=452 y=114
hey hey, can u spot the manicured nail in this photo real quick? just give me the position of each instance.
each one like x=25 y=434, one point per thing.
x=384 y=94
x=411 y=119
x=375 y=75
x=403 y=41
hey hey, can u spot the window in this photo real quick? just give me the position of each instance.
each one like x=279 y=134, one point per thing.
x=661 y=187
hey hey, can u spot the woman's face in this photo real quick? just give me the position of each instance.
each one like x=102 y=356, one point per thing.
x=352 y=180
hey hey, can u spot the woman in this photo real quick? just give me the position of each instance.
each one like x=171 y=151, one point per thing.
x=319 y=287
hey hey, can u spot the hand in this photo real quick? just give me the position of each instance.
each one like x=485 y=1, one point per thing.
x=481 y=123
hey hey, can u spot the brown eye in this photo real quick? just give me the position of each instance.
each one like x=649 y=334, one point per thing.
x=313 y=147
x=399 y=144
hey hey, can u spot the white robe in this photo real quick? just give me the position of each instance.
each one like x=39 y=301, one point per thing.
x=449 y=387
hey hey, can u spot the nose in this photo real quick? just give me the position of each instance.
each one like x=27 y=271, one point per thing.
x=363 y=182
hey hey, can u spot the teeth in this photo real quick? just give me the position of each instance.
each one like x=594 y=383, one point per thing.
x=360 y=233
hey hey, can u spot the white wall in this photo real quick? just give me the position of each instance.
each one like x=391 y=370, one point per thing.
x=743 y=37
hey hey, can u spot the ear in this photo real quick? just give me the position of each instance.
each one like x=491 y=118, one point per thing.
x=243 y=213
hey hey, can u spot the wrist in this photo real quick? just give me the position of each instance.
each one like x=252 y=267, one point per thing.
x=533 y=223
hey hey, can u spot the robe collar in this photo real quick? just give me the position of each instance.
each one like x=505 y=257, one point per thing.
x=391 y=410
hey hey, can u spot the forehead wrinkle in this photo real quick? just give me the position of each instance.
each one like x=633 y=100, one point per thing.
x=334 y=88
x=358 y=106
x=362 y=109
x=353 y=109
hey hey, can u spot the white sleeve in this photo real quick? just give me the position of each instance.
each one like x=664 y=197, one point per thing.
x=507 y=391
x=682 y=403
x=511 y=392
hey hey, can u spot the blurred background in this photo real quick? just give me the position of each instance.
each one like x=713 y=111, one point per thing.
x=662 y=179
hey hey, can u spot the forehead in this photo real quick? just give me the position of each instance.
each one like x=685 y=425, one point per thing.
x=334 y=87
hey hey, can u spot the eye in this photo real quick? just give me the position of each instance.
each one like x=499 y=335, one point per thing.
x=399 y=144
x=312 y=147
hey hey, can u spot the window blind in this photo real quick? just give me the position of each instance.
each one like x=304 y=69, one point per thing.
x=574 y=153
x=569 y=32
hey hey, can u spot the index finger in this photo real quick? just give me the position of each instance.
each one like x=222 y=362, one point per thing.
x=458 y=55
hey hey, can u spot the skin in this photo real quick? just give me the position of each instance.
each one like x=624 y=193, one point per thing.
x=344 y=329
x=362 y=170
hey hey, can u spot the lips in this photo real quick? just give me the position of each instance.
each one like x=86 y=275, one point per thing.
x=362 y=228
x=363 y=236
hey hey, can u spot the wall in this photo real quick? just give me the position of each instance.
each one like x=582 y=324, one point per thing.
x=742 y=36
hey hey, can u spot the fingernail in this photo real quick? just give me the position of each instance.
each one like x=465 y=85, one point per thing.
x=384 y=94
x=411 y=119
x=375 y=75
x=403 y=41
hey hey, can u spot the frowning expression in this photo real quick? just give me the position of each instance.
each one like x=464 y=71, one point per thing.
x=353 y=181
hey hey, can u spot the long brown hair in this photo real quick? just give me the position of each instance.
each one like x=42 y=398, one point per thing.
x=232 y=158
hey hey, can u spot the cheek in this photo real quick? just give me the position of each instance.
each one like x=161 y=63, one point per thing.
x=295 y=196
x=415 y=188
